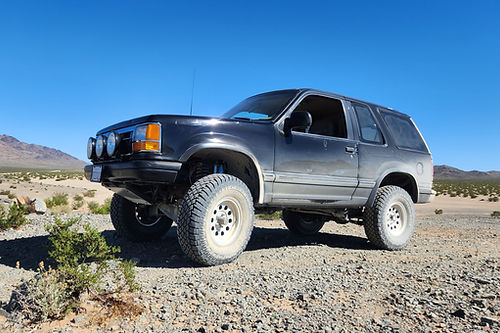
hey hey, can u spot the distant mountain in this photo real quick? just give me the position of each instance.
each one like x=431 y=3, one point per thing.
x=17 y=154
x=448 y=172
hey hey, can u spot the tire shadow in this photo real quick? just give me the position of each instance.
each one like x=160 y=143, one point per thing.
x=166 y=253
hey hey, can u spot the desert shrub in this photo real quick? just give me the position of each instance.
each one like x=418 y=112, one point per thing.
x=89 y=193
x=95 y=208
x=270 y=216
x=82 y=260
x=42 y=297
x=438 y=211
x=14 y=218
x=453 y=194
x=58 y=199
x=4 y=192
x=493 y=199
x=77 y=202
x=495 y=213
x=11 y=196
x=12 y=186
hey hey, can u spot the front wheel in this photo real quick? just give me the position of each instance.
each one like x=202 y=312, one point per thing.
x=302 y=224
x=215 y=219
x=137 y=222
x=390 y=223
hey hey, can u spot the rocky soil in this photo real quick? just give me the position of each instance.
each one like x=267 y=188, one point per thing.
x=447 y=280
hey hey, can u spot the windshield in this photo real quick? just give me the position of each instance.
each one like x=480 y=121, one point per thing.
x=261 y=107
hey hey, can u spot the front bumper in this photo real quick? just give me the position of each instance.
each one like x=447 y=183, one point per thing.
x=140 y=171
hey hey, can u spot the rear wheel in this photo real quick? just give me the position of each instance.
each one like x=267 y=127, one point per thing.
x=137 y=222
x=303 y=224
x=390 y=223
x=215 y=219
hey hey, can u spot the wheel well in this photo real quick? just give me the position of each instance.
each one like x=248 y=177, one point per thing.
x=233 y=163
x=404 y=181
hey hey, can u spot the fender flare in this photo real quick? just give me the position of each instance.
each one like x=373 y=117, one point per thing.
x=371 y=198
x=234 y=148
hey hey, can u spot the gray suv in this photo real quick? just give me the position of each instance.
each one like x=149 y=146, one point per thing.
x=315 y=155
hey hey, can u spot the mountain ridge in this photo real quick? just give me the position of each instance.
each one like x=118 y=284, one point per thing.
x=448 y=172
x=18 y=154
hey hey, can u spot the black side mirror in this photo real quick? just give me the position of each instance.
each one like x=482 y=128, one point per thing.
x=298 y=120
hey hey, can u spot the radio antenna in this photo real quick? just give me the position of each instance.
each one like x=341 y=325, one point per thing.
x=192 y=93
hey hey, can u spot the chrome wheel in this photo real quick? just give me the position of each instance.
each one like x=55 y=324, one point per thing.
x=225 y=222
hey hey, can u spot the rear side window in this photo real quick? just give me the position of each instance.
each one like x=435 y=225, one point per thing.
x=367 y=125
x=404 y=132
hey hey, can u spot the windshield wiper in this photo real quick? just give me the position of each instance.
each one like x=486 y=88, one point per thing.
x=241 y=118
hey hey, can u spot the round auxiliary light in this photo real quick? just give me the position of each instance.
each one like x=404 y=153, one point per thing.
x=100 y=142
x=112 y=143
x=90 y=148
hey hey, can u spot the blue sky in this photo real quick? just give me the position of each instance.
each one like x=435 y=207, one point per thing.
x=69 y=68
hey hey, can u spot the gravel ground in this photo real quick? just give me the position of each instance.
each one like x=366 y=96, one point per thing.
x=447 y=280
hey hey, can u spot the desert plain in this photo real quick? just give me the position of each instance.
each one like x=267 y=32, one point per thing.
x=446 y=280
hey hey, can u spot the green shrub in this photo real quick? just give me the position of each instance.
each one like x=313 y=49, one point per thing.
x=438 y=211
x=95 y=208
x=270 y=216
x=82 y=261
x=77 y=202
x=495 y=213
x=81 y=258
x=58 y=199
x=89 y=193
x=14 y=218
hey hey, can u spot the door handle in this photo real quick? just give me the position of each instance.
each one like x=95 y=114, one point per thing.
x=350 y=149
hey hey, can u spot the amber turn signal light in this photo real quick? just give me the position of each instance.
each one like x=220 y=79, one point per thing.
x=146 y=145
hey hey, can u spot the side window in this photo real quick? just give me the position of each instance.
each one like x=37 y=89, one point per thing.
x=328 y=116
x=404 y=132
x=367 y=125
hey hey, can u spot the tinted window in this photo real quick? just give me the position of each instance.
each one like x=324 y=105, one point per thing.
x=261 y=107
x=404 y=132
x=367 y=125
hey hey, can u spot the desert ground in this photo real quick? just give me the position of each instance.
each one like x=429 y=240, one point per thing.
x=446 y=280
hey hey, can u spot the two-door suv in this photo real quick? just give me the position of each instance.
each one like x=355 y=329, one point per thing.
x=315 y=155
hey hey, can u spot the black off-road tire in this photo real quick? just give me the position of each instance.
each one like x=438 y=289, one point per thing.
x=215 y=219
x=136 y=227
x=302 y=224
x=390 y=223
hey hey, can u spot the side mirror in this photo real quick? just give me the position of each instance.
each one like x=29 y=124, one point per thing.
x=297 y=120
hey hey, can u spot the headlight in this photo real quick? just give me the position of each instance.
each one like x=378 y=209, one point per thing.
x=99 y=145
x=147 y=138
x=112 y=143
x=90 y=148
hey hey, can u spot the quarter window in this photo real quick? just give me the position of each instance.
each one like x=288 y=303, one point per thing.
x=367 y=125
x=404 y=132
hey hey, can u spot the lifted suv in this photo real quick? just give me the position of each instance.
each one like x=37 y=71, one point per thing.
x=315 y=155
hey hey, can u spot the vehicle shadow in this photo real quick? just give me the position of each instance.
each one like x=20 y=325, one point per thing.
x=166 y=252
